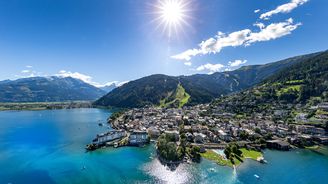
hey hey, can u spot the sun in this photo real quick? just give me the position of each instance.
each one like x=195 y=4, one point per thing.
x=172 y=15
x=171 y=11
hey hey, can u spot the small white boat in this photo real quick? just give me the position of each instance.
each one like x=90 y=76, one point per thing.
x=256 y=176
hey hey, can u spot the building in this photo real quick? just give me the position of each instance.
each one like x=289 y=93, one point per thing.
x=279 y=145
x=307 y=129
x=138 y=138
x=323 y=106
x=224 y=136
x=154 y=132
x=199 y=138
x=302 y=117
x=109 y=136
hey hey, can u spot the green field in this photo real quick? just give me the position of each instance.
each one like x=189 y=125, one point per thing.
x=252 y=154
x=211 y=155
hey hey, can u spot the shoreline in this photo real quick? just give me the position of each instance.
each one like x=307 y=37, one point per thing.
x=39 y=106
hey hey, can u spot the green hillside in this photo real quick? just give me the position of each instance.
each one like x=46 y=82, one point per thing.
x=169 y=91
x=303 y=83
x=176 y=99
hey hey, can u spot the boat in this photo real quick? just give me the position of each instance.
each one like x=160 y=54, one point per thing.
x=261 y=160
x=256 y=176
x=91 y=147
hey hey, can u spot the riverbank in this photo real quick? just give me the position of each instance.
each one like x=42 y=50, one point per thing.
x=221 y=160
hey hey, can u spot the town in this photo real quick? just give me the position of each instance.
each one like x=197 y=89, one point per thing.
x=209 y=126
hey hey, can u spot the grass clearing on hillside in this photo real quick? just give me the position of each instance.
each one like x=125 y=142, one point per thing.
x=288 y=88
x=180 y=98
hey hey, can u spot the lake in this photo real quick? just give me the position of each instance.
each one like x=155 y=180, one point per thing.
x=48 y=147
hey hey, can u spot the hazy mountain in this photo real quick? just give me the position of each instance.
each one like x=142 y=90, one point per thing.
x=47 y=89
x=202 y=88
x=108 y=88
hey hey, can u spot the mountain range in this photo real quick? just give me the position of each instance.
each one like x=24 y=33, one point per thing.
x=47 y=89
x=302 y=84
x=169 y=91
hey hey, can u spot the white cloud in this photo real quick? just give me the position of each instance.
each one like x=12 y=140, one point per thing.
x=122 y=83
x=238 y=38
x=187 y=63
x=77 y=75
x=210 y=67
x=25 y=71
x=259 y=25
x=237 y=62
x=187 y=54
x=272 y=31
x=88 y=79
x=29 y=66
x=117 y=84
x=257 y=10
x=285 y=8
x=107 y=84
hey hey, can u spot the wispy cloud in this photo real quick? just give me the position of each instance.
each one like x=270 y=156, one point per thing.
x=28 y=72
x=285 y=8
x=116 y=83
x=25 y=71
x=88 y=79
x=243 y=37
x=257 y=10
x=237 y=62
x=210 y=67
x=77 y=75
x=259 y=25
x=187 y=63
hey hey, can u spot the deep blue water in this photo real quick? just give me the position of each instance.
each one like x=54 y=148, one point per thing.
x=48 y=147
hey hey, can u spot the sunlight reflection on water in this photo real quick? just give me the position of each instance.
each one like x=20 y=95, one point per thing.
x=164 y=175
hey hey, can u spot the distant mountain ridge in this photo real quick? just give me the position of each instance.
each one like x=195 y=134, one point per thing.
x=201 y=88
x=108 y=88
x=47 y=89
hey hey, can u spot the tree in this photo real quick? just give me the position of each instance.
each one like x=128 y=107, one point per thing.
x=195 y=153
x=257 y=130
x=243 y=135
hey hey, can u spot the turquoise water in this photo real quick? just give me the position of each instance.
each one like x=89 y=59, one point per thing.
x=48 y=147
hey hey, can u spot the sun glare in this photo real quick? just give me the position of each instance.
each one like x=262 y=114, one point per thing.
x=172 y=11
x=172 y=15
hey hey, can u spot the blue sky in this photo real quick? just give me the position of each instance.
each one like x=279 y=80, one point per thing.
x=118 y=40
